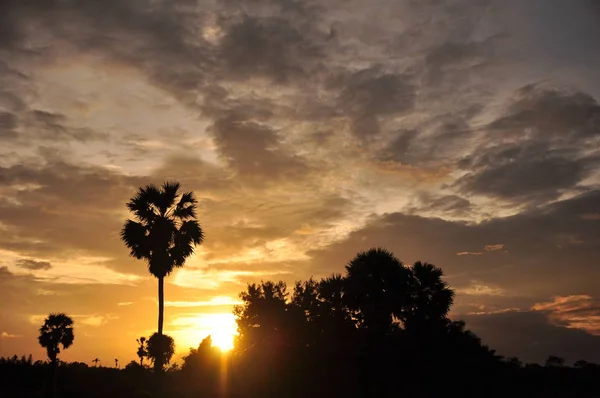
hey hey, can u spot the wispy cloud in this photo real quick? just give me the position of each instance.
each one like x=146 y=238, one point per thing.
x=576 y=311
x=215 y=301
x=476 y=289
x=213 y=278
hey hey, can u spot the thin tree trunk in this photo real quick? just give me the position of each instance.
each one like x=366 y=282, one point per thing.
x=158 y=362
x=161 y=303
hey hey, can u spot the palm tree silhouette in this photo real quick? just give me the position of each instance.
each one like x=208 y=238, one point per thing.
x=377 y=288
x=164 y=232
x=56 y=330
x=96 y=360
x=430 y=296
x=142 y=352
x=160 y=350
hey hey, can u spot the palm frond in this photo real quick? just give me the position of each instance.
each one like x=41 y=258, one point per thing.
x=144 y=203
x=186 y=208
x=135 y=237
x=186 y=237
x=168 y=196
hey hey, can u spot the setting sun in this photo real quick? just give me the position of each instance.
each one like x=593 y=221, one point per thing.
x=194 y=328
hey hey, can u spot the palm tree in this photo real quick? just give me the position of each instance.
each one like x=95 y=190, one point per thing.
x=96 y=360
x=377 y=289
x=160 y=350
x=56 y=330
x=430 y=298
x=142 y=352
x=164 y=232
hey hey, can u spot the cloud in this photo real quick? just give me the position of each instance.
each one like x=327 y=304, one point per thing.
x=369 y=93
x=543 y=147
x=541 y=241
x=34 y=265
x=6 y=335
x=35 y=197
x=94 y=320
x=494 y=248
x=469 y=253
x=478 y=290
x=214 y=301
x=268 y=47
x=212 y=279
x=253 y=150
x=575 y=311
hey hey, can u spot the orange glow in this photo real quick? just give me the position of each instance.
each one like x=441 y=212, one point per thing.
x=193 y=329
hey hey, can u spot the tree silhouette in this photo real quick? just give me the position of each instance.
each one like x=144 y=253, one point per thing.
x=164 y=232
x=377 y=288
x=116 y=363
x=141 y=351
x=262 y=319
x=430 y=297
x=56 y=331
x=160 y=350
x=96 y=360
x=555 y=362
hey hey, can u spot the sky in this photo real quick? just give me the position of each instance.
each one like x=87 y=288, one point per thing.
x=461 y=133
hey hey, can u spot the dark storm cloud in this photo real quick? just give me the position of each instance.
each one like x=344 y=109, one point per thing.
x=537 y=149
x=34 y=265
x=530 y=336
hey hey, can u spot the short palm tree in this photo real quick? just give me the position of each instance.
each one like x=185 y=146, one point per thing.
x=164 y=231
x=56 y=331
x=160 y=350
x=142 y=352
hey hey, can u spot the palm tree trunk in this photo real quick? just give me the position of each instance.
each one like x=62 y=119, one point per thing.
x=161 y=303
x=158 y=365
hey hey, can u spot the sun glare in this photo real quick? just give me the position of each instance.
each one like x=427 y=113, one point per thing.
x=221 y=327
x=223 y=339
